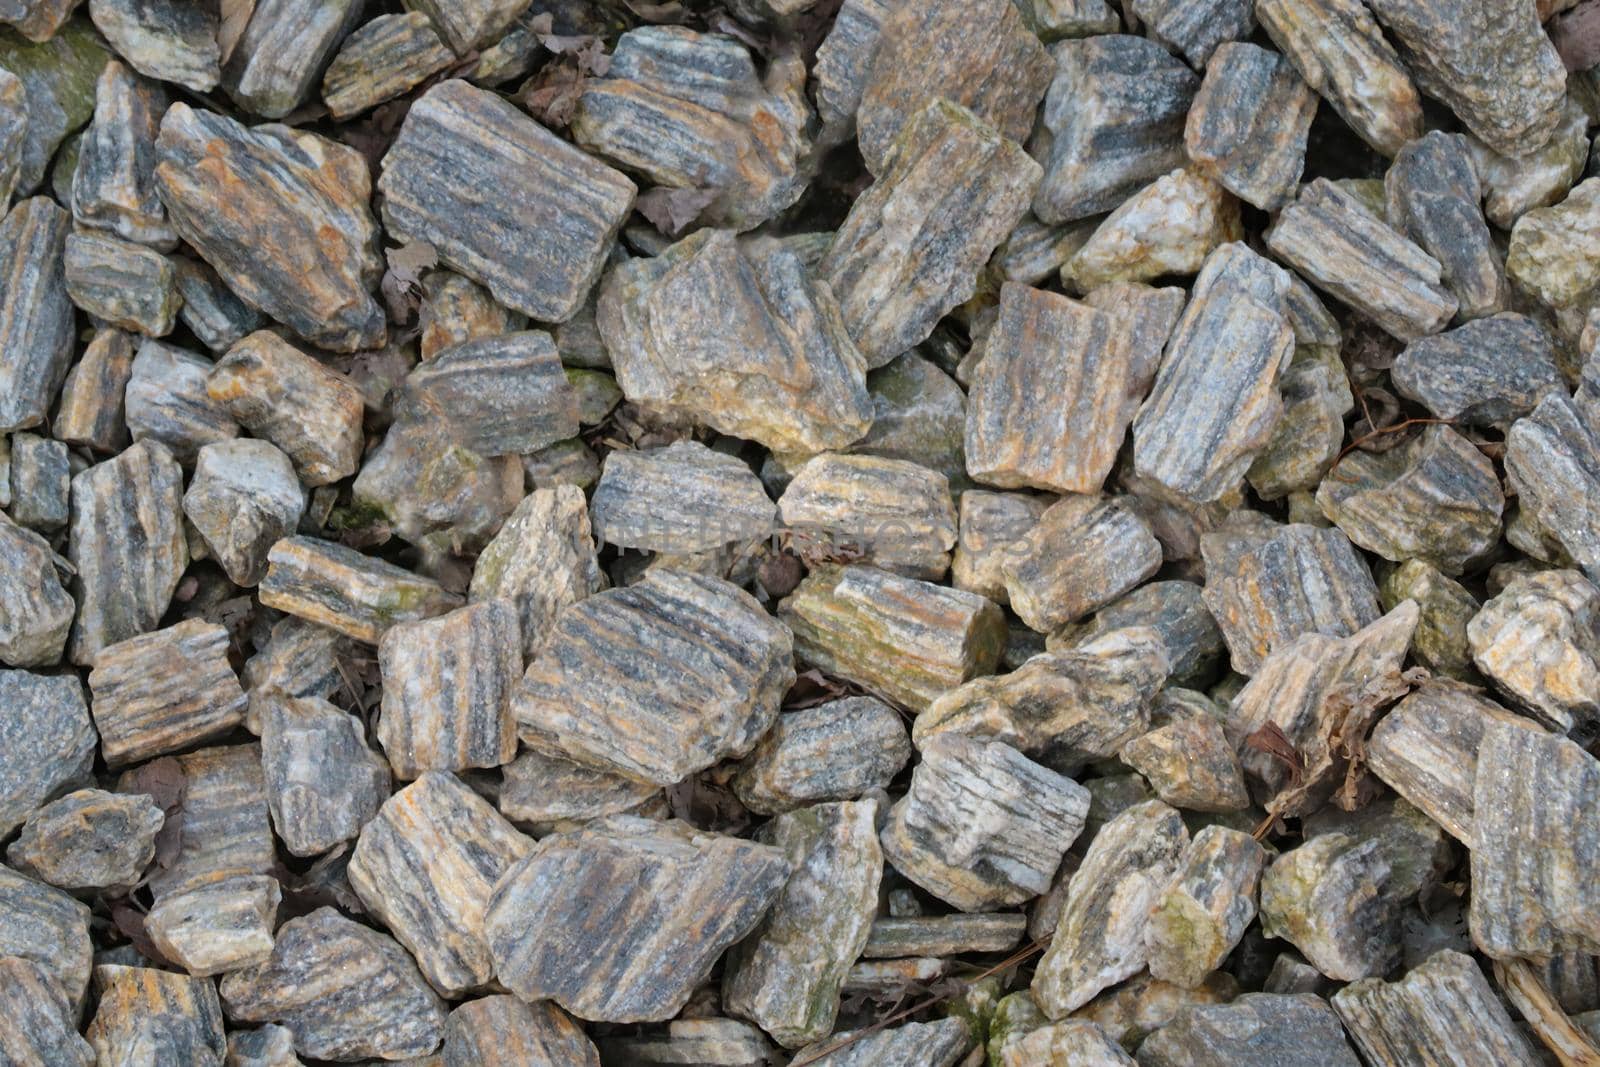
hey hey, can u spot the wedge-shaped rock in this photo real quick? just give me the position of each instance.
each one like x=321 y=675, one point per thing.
x=990 y=525
x=1515 y=185
x=369 y=999
x=298 y=659
x=1446 y=607
x=503 y=1030
x=169 y=40
x=166 y=401
x=540 y=242
x=543 y=559
x=1114 y=344
x=58 y=78
x=1555 y=251
x=1079 y=704
x=39 y=1025
x=620 y=921
x=1268 y=584
x=835 y=751
x=281 y=214
x=1191 y=764
x=906 y=640
x=216 y=926
x=1491 y=63
x=88 y=839
x=113 y=187
x=1539 y=642
x=447 y=687
x=384 y=58
x=941 y=1043
x=35 y=311
x=1551 y=459
x=785 y=975
x=1435 y=498
x=1168 y=227
x=323 y=782
x=1112 y=123
x=1432 y=195
x=49 y=742
x=844 y=62
x=1100 y=939
x=35 y=611
x=123 y=285
x=1308 y=439
x=91 y=411
x=1486 y=373
x=890 y=513
x=496 y=395
x=340 y=588
x=682 y=498
x=1215 y=401
x=1249 y=122
x=976 y=54
x=284 y=46
x=127 y=546
x=1329 y=899
x=1534 y=834
x=737 y=336
x=688 y=111
x=1288 y=1030
x=425 y=866
x=1194 y=28
x=551 y=794
x=1341 y=53
x=1179 y=616
x=943 y=935
x=151 y=1016
x=1085 y=552
x=163 y=691
x=1350 y=254
x=1204 y=912
x=46 y=927
x=243 y=499
x=210 y=309
x=949 y=190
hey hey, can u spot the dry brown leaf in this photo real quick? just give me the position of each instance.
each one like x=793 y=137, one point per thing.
x=235 y=16
x=673 y=210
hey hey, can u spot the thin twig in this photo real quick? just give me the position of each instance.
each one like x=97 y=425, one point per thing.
x=1403 y=424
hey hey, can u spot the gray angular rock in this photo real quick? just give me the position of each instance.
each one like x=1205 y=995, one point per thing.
x=1176 y=611
x=113 y=185
x=503 y=1030
x=267 y=1046
x=543 y=559
x=495 y=395
x=58 y=78
x=1194 y=28
x=889 y=513
x=552 y=794
x=1166 y=228
x=1440 y=643
x=1486 y=373
x=35 y=611
x=836 y=751
x=1329 y=899
x=456 y=310
x=161 y=692
x=91 y=411
x=683 y=497
x=1310 y=435
x=217 y=317
x=1432 y=195
x=13 y=133
x=48 y=928
x=1553 y=254
x=943 y=935
x=1287 y=1030
x=170 y=40
x=1085 y=552
x=223 y=832
x=340 y=588
x=381 y=60
x=50 y=742
x=274 y=64
x=844 y=62
x=1551 y=457
x=39 y=1025
x=323 y=782
x=243 y=499
x=1191 y=764
x=150 y=1016
x=40 y=478
x=1204 y=912
x=1539 y=642
x=167 y=401
x=941 y=1043
x=297 y=659
x=35 y=311
x=1514 y=185
x=121 y=284
x=1248 y=124
x=218 y=925
x=990 y=526
x=470 y=24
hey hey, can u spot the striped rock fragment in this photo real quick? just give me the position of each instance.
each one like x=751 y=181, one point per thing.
x=990 y=524
x=49 y=742
x=46 y=927
x=38 y=20
x=1551 y=458
x=1329 y=899
x=161 y=692
x=447 y=687
x=1446 y=607
x=1555 y=251
x=552 y=794
x=151 y=1016
x=619 y=922
x=503 y=1030
x=1308 y=439
x=13 y=133
x=35 y=611
x=1248 y=125
x=1176 y=611
x=543 y=559
x=905 y=640
x=681 y=498
x=224 y=833
x=266 y=1046
x=1539 y=642
x=58 y=78
x=169 y=40
x=539 y=244
x=113 y=187
x=127 y=546
x=1417 y=848
x=1432 y=195
x=1112 y=122
x=217 y=926
x=495 y=395
x=469 y=24
x=949 y=191
x=340 y=588
x=1085 y=552
x=1075 y=1042
x=282 y=215
x=243 y=499
x=456 y=310
x=1204 y=912
x=1190 y=763
x=594 y=696
x=39 y=1024
x=941 y=1043
x=167 y=401
x=976 y=54
x=1513 y=185
x=709 y=1040
x=123 y=285
x=35 y=311
x=1168 y=227
x=1194 y=28
x=384 y=58
x=1053 y=20
x=217 y=317
x=369 y=999
x=688 y=111
x=91 y=410
x=844 y=62
x=323 y=783
x=1287 y=1030
x=1490 y=372
x=982 y=826
x=836 y=751
x=738 y=336
x=943 y=935
x=275 y=63
x=88 y=839
x=890 y=513
x=298 y=659
x=41 y=477
x=425 y=867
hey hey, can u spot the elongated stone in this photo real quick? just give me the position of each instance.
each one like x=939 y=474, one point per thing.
x=503 y=1030
x=323 y=782
x=340 y=588
x=1248 y=125
x=425 y=866
x=210 y=309
x=1554 y=254
x=1166 y=228
x=1328 y=898
x=1486 y=373
x=1204 y=912
x=1539 y=641
x=1515 y=185
x=1180 y=618
x=943 y=935
x=50 y=742
x=125 y=285
x=150 y=1016
x=1191 y=764
x=127 y=546
x=896 y=514
x=91 y=411
x=13 y=133
x=1085 y=552
x=1291 y=1030
x=167 y=401
x=88 y=839
x=552 y=794
x=1075 y=1041
x=941 y=1043
x=384 y=58
x=41 y=475
x=684 y=497
x=48 y=928
x=243 y=499
x=589 y=697
x=282 y=215
x=496 y=396
x=35 y=611
x=1549 y=460
x=543 y=559
x=298 y=659
x=697 y=330
x=39 y=1025
x=950 y=189
x=58 y=77
x=1112 y=123
x=540 y=243
x=1490 y=63
x=169 y=40
x=844 y=63
x=162 y=692
x=835 y=751
x=471 y=24
x=35 y=311
x=274 y=65
x=1100 y=939
x=1432 y=195
x=1194 y=28
x=369 y=998
x=631 y=915
x=906 y=640
x=113 y=187
x=982 y=826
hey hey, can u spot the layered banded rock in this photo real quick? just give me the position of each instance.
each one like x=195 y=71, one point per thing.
x=38 y=20
x=1070 y=444
x=503 y=1030
x=384 y=58
x=472 y=24
x=323 y=782
x=1194 y=28
x=1085 y=552
x=889 y=513
x=243 y=499
x=150 y=1016
x=1539 y=642
x=1294 y=1030
x=283 y=217
x=166 y=401
x=39 y=1024
x=1100 y=938
x=540 y=243
x=941 y=1043
x=976 y=54
x=906 y=640
x=217 y=317
x=369 y=999
x=340 y=588
x=169 y=40
x=739 y=337
x=223 y=828
x=1432 y=195
x=543 y=559
x=990 y=524
x=1249 y=122
x=58 y=78
x=13 y=132
x=1201 y=916
x=1515 y=185
x=982 y=826
x=1308 y=439
x=49 y=741
x=35 y=311
x=456 y=310
x=1054 y=20
x=683 y=497
x=949 y=190
x=619 y=921
x=844 y=62
x=1191 y=764
x=687 y=110
x=1329 y=899
x=161 y=692
x=447 y=687
x=425 y=865
x=121 y=284
x=943 y=935
x=1176 y=611
x=1445 y=606
x=592 y=696
x=1112 y=122
x=1551 y=456
x=297 y=659
x=494 y=395
x=127 y=546
x=709 y=1040
x=113 y=187
x=1166 y=228
x=266 y=1046
x=41 y=477
x=274 y=63
x=218 y=926
x=835 y=751
x=1073 y=1041
x=91 y=410
x=88 y=839
x=1435 y=498
x=35 y=611
x=1554 y=254
x=1486 y=373
x=1215 y=400
x=552 y=794
x=48 y=928
x=1268 y=584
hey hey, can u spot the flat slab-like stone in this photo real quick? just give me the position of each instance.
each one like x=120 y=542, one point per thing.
x=340 y=588
x=835 y=751
x=683 y=497
x=35 y=311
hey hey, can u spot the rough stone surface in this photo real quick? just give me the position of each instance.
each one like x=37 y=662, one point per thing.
x=46 y=927
x=890 y=513
x=146 y=1015
x=1085 y=552
x=1194 y=28
x=340 y=588
x=323 y=782
x=113 y=186
x=1328 y=898
x=1554 y=253
x=1432 y=195
x=161 y=692
x=503 y=1030
x=543 y=560
x=1176 y=611
x=683 y=497
x=210 y=309
x=39 y=1025
x=1539 y=642
x=1166 y=228
x=273 y=65
x=943 y=935
x=91 y=410
x=1201 y=916
x=382 y=59
x=1551 y=457
x=49 y=742
x=835 y=751
x=35 y=311
x=1486 y=373
x=1291 y=1030
x=166 y=401
x=58 y=77
x=88 y=839
x=1514 y=185
x=1191 y=764
x=1249 y=122
x=166 y=39
x=552 y=794
x=35 y=611
x=937 y=1044
x=494 y=395
x=1445 y=607
x=243 y=499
